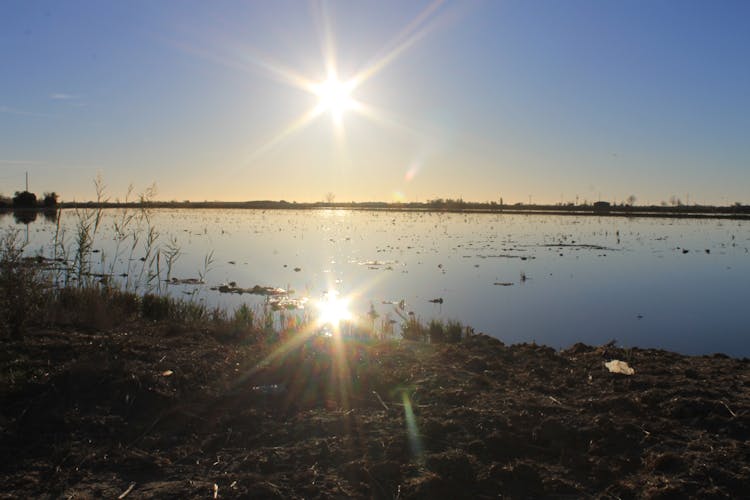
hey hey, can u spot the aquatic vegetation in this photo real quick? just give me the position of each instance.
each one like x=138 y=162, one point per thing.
x=412 y=329
x=21 y=286
x=436 y=330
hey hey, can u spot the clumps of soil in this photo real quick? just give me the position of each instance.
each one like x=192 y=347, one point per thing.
x=157 y=415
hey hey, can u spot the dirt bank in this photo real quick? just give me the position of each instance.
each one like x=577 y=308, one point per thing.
x=152 y=413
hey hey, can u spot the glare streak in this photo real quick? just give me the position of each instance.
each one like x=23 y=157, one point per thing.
x=328 y=46
x=412 y=431
x=411 y=36
x=273 y=69
x=384 y=118
x=296 y=125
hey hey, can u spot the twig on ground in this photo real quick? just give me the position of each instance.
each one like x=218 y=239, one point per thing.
x=126 y=492
x=734 y=415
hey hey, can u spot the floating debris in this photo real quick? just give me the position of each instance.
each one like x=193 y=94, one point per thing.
x=436 y=301
x=186 y=281
x=256 y=290
x=400 y=303
x=505 y=256
x=503 y=283
x=575 y=245
x=280 y=302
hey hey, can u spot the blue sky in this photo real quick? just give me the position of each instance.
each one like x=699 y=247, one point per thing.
x=549 y=99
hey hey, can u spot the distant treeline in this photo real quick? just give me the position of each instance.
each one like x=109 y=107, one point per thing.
x=448 y=205
x=25 y=199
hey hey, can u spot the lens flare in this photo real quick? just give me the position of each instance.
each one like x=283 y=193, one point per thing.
x=412 y=431
x=412 y=171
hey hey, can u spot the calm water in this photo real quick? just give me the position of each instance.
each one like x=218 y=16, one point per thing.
x=588 y=279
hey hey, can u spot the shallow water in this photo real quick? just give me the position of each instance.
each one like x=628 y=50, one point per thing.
x=587 y=279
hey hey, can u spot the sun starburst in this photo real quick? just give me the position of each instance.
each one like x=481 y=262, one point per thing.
x=334 y=96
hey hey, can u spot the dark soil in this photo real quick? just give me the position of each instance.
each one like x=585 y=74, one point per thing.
x=148 y=412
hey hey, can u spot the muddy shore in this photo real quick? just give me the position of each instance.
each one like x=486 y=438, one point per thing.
x=146 y=412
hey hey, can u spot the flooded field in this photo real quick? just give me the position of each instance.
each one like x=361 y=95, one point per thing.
x=678 y=284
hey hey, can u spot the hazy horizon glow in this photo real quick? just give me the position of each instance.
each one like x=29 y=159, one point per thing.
x=378 y=101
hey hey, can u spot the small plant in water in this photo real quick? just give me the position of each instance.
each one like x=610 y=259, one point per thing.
x=453 y=332
x=244 y=318
x=412 y=329
x=21 y=286
x=436 y=330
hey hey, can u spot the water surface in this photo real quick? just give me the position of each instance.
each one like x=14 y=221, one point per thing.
x=677 y=284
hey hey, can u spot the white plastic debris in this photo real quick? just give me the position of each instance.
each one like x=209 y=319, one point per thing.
x=617 y=366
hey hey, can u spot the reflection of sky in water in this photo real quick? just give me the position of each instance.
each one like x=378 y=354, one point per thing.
x=690 y=302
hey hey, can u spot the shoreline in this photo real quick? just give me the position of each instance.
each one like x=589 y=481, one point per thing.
x=167 y=413
x=692 y=212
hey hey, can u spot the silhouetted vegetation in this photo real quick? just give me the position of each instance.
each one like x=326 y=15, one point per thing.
x=24 y=199
x=736 y=210
x=50 y=199
x=21 y=286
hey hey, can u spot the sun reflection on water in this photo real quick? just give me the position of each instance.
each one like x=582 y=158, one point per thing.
x=332 y=309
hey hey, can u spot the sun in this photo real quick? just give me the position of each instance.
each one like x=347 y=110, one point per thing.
x=334 y=96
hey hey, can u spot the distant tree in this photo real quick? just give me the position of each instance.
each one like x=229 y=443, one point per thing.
x=50 y=199
x=330 y=197
x=631 y=200
x=24 y=199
